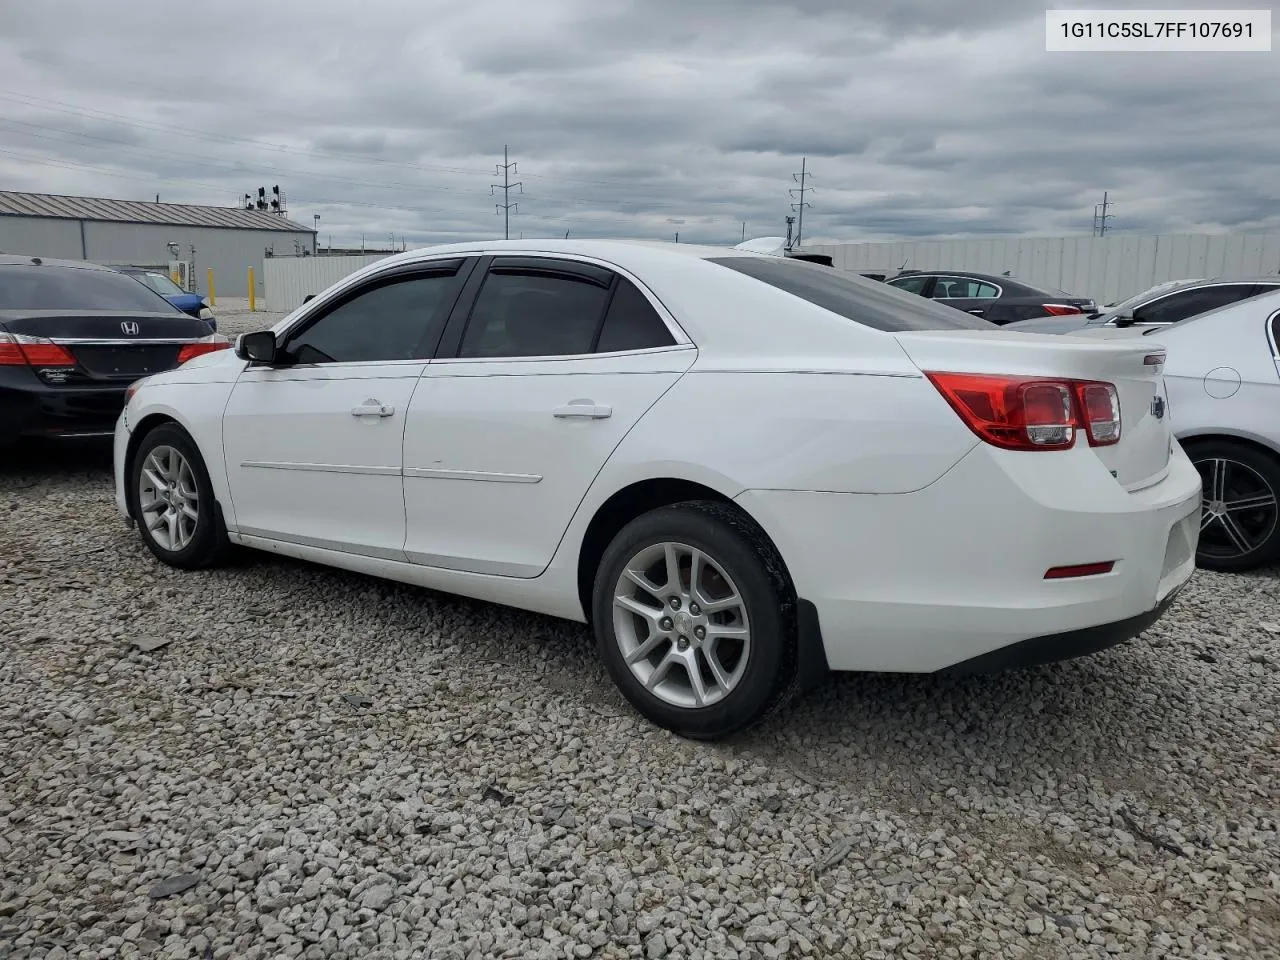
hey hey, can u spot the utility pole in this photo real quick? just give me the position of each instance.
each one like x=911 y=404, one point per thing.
x=1100 y=216
x=744 y=231
x=800 y=178
x=790 y=222
x=506 y=168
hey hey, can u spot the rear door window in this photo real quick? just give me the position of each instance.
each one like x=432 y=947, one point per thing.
x=632 y=323
x=914 y=285
x=963 y=288
x=877 y=305
x=536 y=309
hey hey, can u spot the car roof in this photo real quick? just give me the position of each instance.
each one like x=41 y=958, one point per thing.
x=11 y=260
x=726 y=312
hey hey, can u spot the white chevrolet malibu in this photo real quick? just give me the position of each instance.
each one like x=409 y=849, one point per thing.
x=741 y=470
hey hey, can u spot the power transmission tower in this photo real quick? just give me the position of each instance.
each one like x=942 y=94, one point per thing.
x=800 y=178
x=506 y=169
x=790 y=223
x=1100 y=216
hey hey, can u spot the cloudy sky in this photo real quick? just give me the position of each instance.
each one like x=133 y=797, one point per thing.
x=638 y=118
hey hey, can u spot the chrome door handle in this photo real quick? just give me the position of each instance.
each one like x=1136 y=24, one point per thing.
x=371 y=408
x=584 y=409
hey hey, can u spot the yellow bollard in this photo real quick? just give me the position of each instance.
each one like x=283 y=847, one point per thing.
x=213 y=300
x=253 y=301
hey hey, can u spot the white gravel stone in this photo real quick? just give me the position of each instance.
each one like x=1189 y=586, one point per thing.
x=355 y=768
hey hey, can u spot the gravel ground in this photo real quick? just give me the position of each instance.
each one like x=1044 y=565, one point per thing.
x=318 y=764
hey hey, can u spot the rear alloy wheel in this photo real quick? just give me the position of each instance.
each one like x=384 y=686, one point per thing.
x=694 y=621
x=172 y=501
x=1240 y=518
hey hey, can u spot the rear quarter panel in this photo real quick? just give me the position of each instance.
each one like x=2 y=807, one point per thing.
x=1222 y=379
x=836 y=431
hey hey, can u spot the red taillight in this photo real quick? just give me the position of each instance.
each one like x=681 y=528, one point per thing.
x=1059 y=309
x=1016 y=413
x=1100 y=409
x=17 y=350
x=1079 y=570
x=199 y=349
x=1025 y=413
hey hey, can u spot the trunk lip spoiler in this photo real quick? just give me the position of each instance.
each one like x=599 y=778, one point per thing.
x=118 y=342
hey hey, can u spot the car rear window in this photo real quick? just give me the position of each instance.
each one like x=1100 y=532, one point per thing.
x=70 y=288
x=868 y=302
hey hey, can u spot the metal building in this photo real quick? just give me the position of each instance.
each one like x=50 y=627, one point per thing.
x=229 y=240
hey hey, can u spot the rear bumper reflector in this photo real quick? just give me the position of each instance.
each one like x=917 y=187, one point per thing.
x=1079 y=570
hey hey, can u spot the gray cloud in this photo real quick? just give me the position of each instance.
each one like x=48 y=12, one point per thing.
x=635 y=118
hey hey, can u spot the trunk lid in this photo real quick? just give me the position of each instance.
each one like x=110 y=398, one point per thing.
x=1141 y=458
x=109 y=345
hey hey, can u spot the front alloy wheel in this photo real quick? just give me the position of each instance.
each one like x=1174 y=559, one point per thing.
x=168 y=498
x=1240 y=514
x=172 y=499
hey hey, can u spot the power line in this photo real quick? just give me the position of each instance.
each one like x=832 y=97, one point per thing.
x=271 y=169
x=60 y=106
x=800 y=178
x=505 y=168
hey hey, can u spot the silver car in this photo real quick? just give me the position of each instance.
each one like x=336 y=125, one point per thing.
x=1159 y=306
x=1222 y=374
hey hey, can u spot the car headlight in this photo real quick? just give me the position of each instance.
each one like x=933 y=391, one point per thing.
x=206 y=313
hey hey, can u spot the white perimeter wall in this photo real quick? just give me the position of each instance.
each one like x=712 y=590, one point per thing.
x=288 y=280
x=1105 y=268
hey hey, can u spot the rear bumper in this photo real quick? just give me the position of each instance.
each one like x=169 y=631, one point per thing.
x=954 y=573
x=29 y=408
x=1063 y=646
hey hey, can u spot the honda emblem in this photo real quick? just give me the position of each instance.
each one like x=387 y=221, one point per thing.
x=130 y=327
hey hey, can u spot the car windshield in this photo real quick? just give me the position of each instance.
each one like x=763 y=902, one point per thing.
x=159 y=283
x=868 y=302
x=71 y=288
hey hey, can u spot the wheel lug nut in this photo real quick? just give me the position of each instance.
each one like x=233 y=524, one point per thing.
x=675 y=603
x=683 y=643
x=695 y=609
x=700 y=632
x=665 y=623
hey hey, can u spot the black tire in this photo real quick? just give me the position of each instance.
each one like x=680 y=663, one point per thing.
x=746 y=556
x=1249 y=471
x=208 y=546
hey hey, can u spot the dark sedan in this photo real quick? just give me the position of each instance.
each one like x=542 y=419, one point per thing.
x=999 y=300
x=191 y=303
x=73 y=336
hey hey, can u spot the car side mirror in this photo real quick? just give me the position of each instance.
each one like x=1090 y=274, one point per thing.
x=257 y=347
x=1124 y=318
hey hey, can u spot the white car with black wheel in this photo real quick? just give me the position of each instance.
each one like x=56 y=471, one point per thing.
x=1223 y=378
x=741 y=470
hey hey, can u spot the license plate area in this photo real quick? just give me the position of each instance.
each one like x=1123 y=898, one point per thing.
x=127 y=361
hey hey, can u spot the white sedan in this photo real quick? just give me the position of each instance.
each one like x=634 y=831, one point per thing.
x=741 y=470
x=1223 y=379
